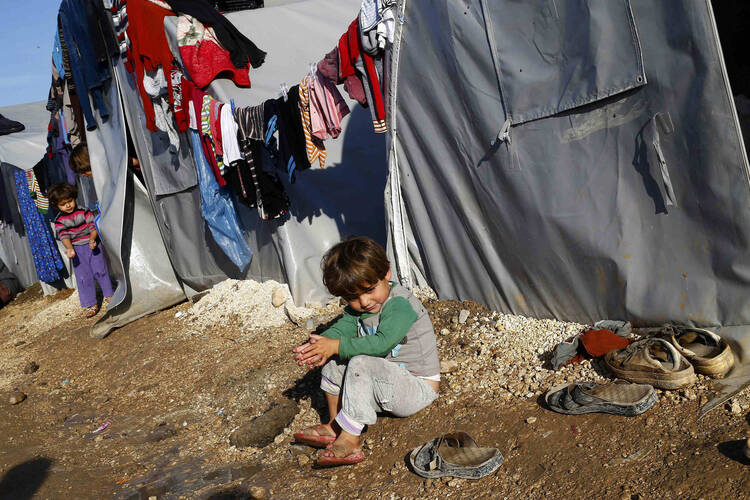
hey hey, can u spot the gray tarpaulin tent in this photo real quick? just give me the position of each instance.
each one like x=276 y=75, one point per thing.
x=570 y=159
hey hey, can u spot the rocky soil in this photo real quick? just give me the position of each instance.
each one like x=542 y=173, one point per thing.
x=200 y=401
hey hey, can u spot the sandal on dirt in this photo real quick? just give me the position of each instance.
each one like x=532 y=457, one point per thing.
x=651 y=361
x=91 y=311
x=316 y=440
x=332 y=460
x=616 y=398
x=455 y=455
x=708 y=352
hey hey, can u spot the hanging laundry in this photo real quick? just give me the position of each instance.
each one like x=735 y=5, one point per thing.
x=215 y=124
x=316 y=150
x=41 y=201
x=6 y=214
x=254 y=185
x=104 y=43
x=377 y=24
x=329 y=66
x=229 y=130
x=282 y=115
x=7 y=173
x=46 y=257
x=89 y=74
x=209 y=133
x=155 y=85
x=241 y=49
x=204 y=58
x=149 y=50
x=353 y=60
x=218 y=210
x=327 y=107
x=194 y=97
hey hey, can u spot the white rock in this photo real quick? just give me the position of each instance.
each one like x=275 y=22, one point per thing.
x=278 y=297
x=463 y=316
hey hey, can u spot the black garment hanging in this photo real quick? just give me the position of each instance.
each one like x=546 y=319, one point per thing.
x=241 y=49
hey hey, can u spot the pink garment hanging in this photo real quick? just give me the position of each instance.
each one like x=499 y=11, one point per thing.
x=327 y=108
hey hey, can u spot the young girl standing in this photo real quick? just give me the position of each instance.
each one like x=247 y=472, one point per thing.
x=74 y=227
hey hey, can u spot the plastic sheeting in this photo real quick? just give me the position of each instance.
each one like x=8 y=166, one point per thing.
x=127 y=226
x=630 y=204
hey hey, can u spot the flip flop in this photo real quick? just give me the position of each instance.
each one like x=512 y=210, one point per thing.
x=314 y=440
x=708 y=352
x=331 y=461
x=616 y=398
x=455 y=455
x=651 y=361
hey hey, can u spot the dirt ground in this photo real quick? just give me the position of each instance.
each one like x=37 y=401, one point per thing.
x=174 y=394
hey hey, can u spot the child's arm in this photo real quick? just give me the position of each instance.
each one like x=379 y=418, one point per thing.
x=319 y=348
x=395 y=321
x=69 y=251
x=92 y=239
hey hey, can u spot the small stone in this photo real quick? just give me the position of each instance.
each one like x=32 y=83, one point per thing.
x=735 y=408
x=30 y=368
x=152 y=497
x=444 y=331
x=453 y=483
x=531 y=420
x=499 y=326
x=278 y=297
x=448 y=365
x=369 y=443
x=98 y=438
x=309 y=324
x=312 y=304
x=16 y=397
x=394 y=442
x=303 y=460
x=257 y=492
x=463 y=316
x=179 y=314
x=454 y=320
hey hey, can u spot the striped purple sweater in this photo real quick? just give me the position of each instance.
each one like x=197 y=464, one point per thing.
x=76 y=226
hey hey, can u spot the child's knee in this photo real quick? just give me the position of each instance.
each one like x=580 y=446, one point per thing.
x=362 y=364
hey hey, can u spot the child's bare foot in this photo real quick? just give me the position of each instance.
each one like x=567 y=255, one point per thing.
x=318 y=436
x=346 y=450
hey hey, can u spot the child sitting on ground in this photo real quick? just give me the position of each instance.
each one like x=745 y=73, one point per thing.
x=380 y=356
x=75 y=228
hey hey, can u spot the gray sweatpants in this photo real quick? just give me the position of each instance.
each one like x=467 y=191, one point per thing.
x=367 y=385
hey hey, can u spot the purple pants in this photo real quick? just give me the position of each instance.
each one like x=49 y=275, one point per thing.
x=89 y=265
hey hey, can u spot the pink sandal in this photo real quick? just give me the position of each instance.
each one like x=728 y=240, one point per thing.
x=329 y=459
x=316 y=440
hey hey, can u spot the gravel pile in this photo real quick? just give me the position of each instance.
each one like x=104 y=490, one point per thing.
x=493 y=355
x=246 y=305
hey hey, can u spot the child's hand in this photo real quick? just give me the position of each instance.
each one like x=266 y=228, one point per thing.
x=92 y=244
x=70 y=253
x=317 y=351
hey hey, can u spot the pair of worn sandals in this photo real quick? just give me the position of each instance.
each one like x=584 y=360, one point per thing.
x=668 y=361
